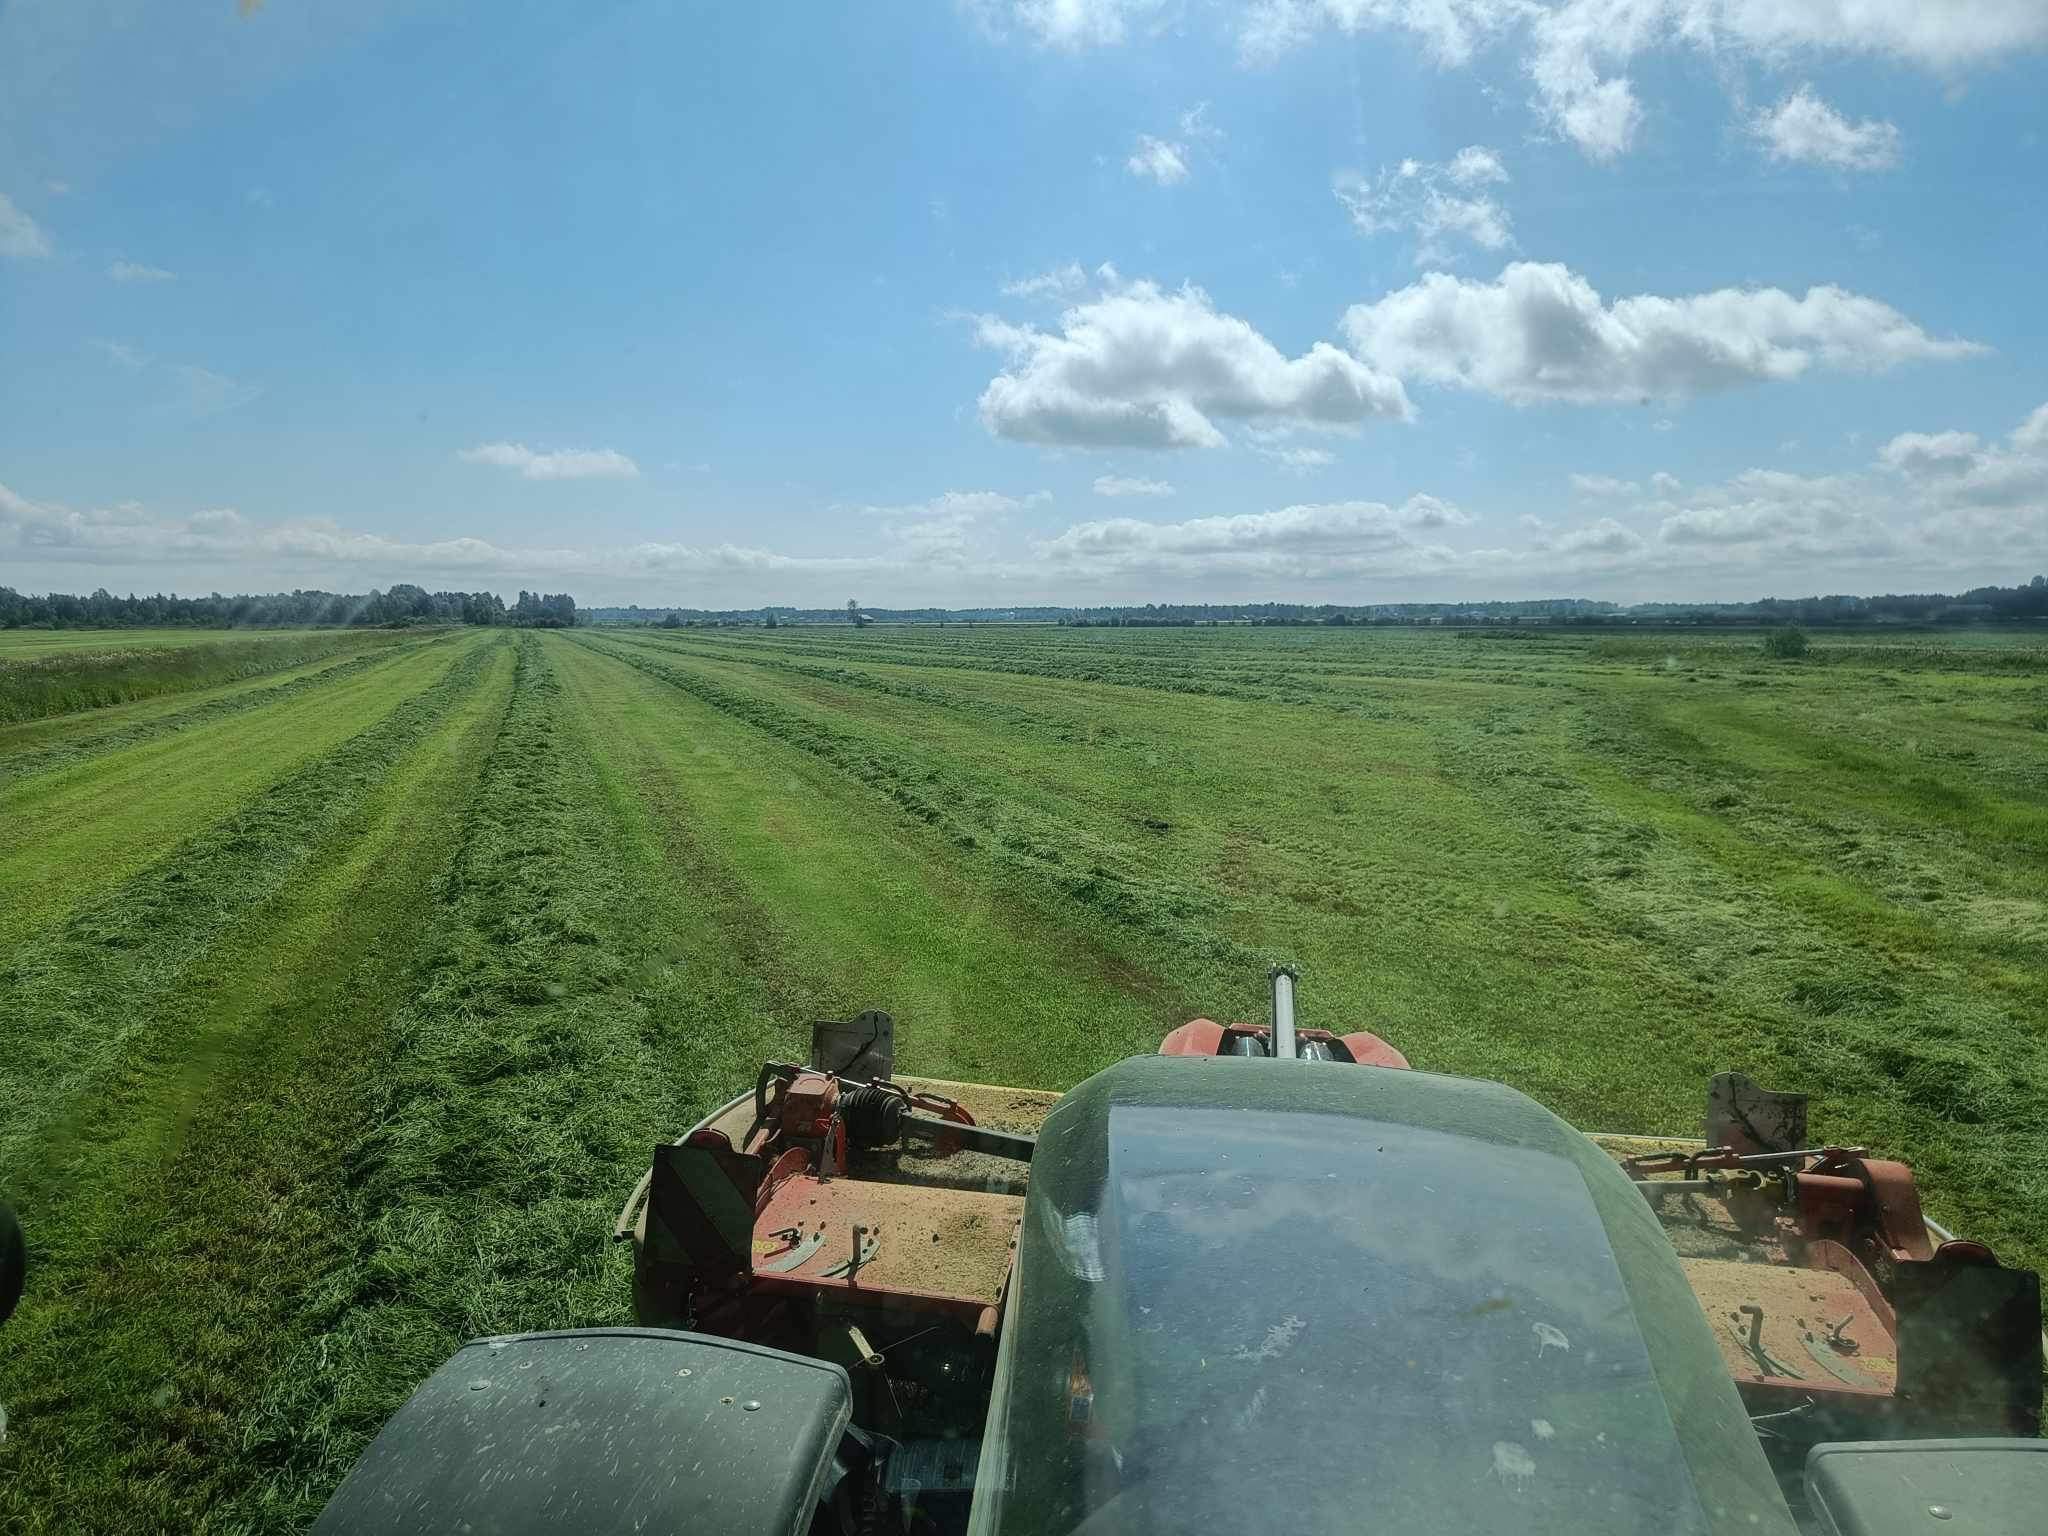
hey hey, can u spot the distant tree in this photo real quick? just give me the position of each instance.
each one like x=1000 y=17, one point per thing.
x=551 y=610
x=1786 y=644
x=671 y=621
x=771 y=622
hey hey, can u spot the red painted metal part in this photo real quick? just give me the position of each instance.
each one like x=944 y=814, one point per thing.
x=793 y=1161
x=1960 y=1250
x=1197 y=1037
x=1899 y=1222
x=824 y=1204
x=1828 y=1204
x=808 y=1104
x=1370 y=1050
x=1838 y=1258
x=1205 y=1037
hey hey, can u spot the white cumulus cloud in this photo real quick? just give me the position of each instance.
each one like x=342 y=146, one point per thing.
x=1601 y=542
x=224 y=539
x=1540 y=332
x=1804 y=128
x=20 y=235
x=1130 y=485
x=1144 y=367
x=1057 y=283
x=1603 y=485
x=1959 y=471
x=1474 y=166
x=1315 y=540
x=560 y=464
x=1158 y=160
x=1435 y=203
x=1449 y=29
x=1295 y=458
x=138 y=272
x=1576 y=53
x=943 y=529
x=1935 y=509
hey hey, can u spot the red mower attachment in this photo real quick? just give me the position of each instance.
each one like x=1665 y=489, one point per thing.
x=1205 y=1037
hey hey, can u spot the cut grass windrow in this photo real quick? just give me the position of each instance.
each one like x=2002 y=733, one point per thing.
x=78 y=1005
x=837 y=908
x=1529 y=886
x=76 y=833
x=166 y=1270
x=1086 y=872
x=373 y=1076
x=520 y=1092
x=59 y=682
x=91 y=735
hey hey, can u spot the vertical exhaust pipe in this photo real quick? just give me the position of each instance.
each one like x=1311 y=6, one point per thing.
x=1283 y=1011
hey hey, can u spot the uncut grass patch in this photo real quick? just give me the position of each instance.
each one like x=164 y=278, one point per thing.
x=80 y=830
x=79 y=744
x=68 y=680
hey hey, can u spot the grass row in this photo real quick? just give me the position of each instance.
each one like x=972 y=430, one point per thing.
x=63 y=741
x=81 y=1006
x=979 y=816
x=177 y=1214
x=835 y=907
x=362 y=1060
x=597 y=974
x=60 y=681
x=543 y=1047
x=79 y=831
x=1601 y=891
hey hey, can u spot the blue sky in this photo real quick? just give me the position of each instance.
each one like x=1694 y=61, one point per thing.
x=1054 y=300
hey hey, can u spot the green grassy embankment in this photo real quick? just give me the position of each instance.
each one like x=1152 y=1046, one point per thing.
x=81 y=829
x=61 y=741
x=19 y=644
x=39 y=682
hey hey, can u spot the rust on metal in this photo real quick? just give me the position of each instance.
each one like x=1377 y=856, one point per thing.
x=1771 y=1316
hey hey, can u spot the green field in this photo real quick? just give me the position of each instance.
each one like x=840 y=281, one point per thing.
x=48 y=674
x=343 y=1002
x=18 y=643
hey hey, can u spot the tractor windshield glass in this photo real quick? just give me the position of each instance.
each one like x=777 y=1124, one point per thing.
x=1243 y=1319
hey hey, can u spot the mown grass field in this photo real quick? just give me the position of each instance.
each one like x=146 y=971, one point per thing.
x=341 y=1003
x=46 y=674
x=17 y=643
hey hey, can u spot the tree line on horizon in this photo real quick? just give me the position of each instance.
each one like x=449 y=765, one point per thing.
x=398 y=605
x=407 y=604
x=1993 y=604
